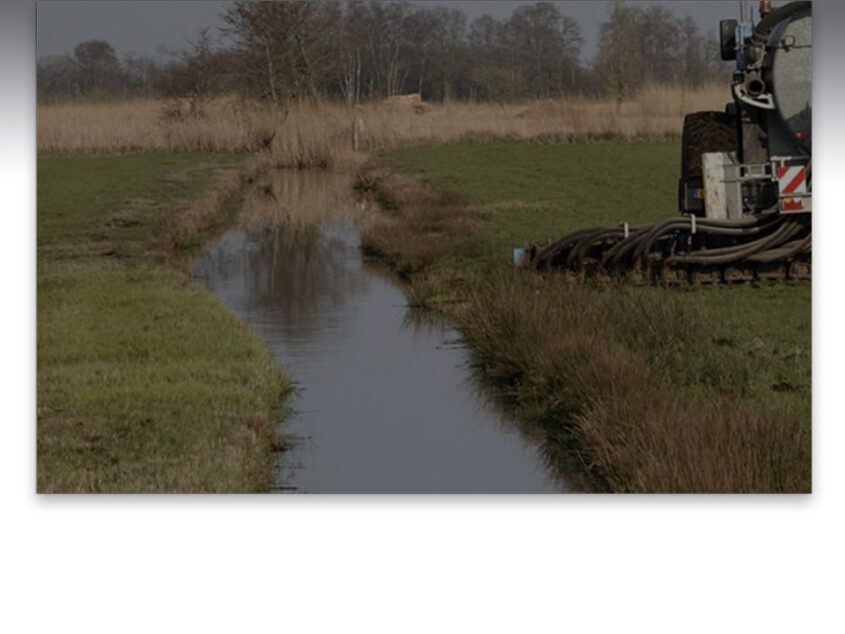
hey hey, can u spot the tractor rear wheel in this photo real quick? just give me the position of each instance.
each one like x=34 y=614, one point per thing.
x=703 y=132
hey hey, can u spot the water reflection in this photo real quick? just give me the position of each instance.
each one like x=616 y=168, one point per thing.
x=298 y=200
x=296 y=282
x=384 y=403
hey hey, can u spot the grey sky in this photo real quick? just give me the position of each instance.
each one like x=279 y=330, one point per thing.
x=142 y=27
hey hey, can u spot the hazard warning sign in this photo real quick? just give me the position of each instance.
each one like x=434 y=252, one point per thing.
x=792 y=185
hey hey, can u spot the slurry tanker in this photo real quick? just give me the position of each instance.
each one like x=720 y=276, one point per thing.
x=745 y=189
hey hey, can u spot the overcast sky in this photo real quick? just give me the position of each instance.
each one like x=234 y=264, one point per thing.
x=143 y=27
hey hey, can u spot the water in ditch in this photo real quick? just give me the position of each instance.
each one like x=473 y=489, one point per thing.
x=385 y=400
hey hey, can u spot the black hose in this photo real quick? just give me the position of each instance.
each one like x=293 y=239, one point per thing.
x=724 y=255
x=788 y=250
x=614 y=253
x=654 y=235
x=579 y=250
x=647 y=246
x=775 y=236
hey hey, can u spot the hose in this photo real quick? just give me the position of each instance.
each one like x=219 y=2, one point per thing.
x=774 y=236
x=788 y=250
x=723 y=255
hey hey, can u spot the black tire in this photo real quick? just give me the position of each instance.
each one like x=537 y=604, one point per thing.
x=703 y=132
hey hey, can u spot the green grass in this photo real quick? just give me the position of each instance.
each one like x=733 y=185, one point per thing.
x=744 y=347
x=535 y=192
x=551 y=188
x=91 y=205
x=145 y=383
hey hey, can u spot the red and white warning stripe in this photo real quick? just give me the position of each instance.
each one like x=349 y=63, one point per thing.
x=792 y=179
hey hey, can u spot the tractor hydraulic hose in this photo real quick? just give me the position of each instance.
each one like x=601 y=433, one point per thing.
x=649 y=240
x=717 y=230
x=784 y=232
x=579 y=250
x=739 y=252
x=788 y=250
x=756 y=50
x=610 y=247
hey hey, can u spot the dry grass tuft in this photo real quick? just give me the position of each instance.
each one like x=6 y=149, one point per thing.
x=659 y=441
x=434 y=222
x=186 y=231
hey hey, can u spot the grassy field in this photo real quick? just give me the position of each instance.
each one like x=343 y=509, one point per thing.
x=647 y=389
x=145 y=383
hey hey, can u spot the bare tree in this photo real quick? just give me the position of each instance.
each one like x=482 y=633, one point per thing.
x=650 y=45
x=194 y=76
x=385 y=41
x=57 y=76
x=351 y=41
x=288 y=48
x=485 y=34
x=493 y=73
x=659 y=39
x=139 y=74
x=448 y=49
x=695 y=68
x=546 y=44
x=620 y=64
x=99 y=70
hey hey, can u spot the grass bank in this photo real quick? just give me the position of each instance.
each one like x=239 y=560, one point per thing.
x=638 y=389
x=145 y=383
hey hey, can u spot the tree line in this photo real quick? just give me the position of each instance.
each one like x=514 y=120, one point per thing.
x=361 y=51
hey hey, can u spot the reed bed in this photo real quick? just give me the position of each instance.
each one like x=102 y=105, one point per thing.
x=326 y=134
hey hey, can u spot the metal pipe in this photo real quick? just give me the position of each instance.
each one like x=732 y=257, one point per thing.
x=755 y=86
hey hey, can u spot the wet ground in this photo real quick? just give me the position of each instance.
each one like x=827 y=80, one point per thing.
x=385 y=398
